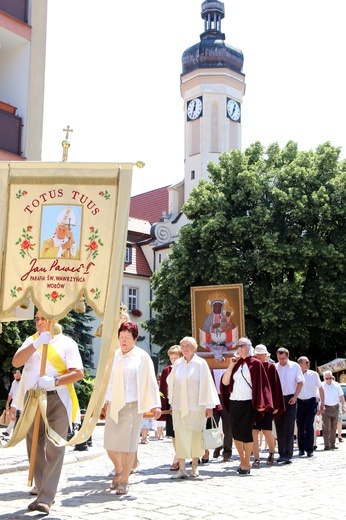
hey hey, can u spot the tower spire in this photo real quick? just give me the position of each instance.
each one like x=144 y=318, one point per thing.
x=212 y=13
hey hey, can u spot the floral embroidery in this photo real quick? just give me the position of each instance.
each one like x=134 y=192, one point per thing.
x=94 y=243
x=96 y=293
x=21 y=194
x=54 y=296
x=105 y=194
x=25 y=242
x=15 y=290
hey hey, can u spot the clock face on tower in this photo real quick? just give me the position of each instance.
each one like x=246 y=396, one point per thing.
x=233 y=110
x=194 y=108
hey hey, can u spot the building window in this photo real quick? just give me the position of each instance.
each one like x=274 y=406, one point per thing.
x=193 y=174
x=132 y=298
x=160 y=258
x=128 y=255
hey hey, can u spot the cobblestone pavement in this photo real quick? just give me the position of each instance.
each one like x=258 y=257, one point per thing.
x=306 y=489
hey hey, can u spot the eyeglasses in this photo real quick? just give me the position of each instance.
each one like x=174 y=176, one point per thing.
x=241 y=345
x=39 y=319
x=326 y=378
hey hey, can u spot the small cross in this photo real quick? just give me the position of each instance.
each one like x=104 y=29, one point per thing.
x=67 y=130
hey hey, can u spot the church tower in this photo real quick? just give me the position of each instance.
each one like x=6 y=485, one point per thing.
x=212 y=86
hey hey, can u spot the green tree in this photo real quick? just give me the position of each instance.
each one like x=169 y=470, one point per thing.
x=273 y=220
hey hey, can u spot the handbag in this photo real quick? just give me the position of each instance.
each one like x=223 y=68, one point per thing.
x=211 y=437
x=5 y=418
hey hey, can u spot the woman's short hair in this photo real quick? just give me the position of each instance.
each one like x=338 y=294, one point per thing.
x=129 y=326
x=175 y=349
x=248 y=344
x=190 y=340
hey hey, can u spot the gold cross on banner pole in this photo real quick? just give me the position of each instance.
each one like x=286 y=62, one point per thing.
x=66 y=143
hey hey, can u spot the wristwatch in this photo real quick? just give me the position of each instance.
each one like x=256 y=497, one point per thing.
x=56 y=381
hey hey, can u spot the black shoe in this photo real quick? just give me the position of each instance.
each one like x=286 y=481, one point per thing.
x=334 y=448
x=315 y=448
x=244 y=471
x=341 y=439
x=301 y=453
x=6 y=434
x=280 y=459
x=217 y=452
x=204 y=461
x=309 y=453
x=326 y=448
x=288 y=461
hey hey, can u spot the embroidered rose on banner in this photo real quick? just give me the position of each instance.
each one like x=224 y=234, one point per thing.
x=54 y=296
x=15 y=290
x=21 y=193
x=96 y=293
x=105 y=194
x=94 y=243
x=25 y=242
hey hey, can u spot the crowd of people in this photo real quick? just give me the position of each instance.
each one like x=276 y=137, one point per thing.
x=253 y=396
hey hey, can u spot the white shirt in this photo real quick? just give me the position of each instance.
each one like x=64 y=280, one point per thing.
x=218 y=373
x=68 y=350
x=242 y=390
x=332 y=393
x=14 y=388
x=130 y=361
x=311 y=383
x=290 y=375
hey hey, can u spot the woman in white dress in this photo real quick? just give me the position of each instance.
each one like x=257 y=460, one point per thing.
x=192 y=394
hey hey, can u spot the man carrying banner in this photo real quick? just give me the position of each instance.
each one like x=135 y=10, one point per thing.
x=64 y=367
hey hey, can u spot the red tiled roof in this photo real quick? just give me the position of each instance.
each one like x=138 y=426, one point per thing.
x=150 y=205
x=139 y=264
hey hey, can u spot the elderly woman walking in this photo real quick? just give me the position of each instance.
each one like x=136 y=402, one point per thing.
x=132 y=390
x=249 y=394
x=192 y=394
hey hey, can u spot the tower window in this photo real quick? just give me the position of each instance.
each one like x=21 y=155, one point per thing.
x=193 y=174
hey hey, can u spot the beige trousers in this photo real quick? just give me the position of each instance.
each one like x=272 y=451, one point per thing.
x=50 y=458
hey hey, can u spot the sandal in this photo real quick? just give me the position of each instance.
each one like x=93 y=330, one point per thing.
x=256 y=463
x=194 y=472
x=122 y=489
x=270 y=459
x=116 y=481
x=180 y=474
x=174 y=467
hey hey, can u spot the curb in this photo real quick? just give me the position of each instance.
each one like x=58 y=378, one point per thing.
x=70 y=458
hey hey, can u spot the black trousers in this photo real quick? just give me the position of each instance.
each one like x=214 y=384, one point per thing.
x=306 y=411
x=226 y=428
x=284 y=425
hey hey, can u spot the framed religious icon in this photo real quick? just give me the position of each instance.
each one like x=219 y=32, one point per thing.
x=217 y=313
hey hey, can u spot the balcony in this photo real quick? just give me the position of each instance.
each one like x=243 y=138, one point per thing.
x=10 y=132
x=18 y=9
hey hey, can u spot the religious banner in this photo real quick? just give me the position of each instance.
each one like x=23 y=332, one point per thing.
x=59 y=242
x=336 y=365
x=217 y=321
x=63 y=229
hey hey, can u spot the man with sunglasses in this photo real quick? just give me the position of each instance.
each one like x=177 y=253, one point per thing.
x=333 y=395
x=63 y=368
x=307 y=407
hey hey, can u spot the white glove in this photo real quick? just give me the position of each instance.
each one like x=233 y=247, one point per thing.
x=43 y=339
x=46 y=383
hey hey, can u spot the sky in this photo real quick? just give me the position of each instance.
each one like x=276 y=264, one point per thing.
x=113 y=74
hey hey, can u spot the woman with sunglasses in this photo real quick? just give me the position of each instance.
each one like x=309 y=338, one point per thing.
x=247 y=392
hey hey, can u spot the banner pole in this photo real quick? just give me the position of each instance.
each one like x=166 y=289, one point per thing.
x=33 y=452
